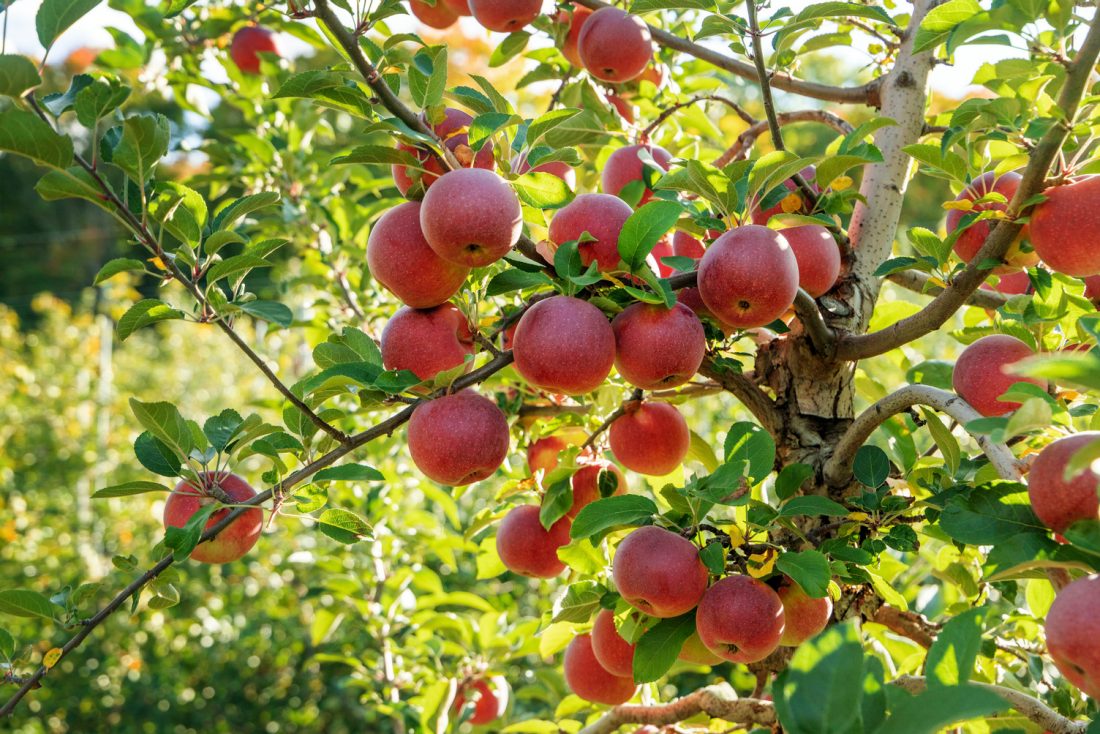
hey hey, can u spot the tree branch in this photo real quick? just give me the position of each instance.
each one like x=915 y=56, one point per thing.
x=384 y=428
x=1032 y=708
x=838 y=469
x=918 y=282
x=864 y=94
x=910 y=625
x=744 y=142
x=755 y=400
x=718 y=701
x=665 y=114
x=943 y=306
x=809 y=315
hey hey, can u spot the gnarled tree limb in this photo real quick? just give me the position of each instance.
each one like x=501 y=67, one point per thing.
x=717 y=701
x=838 y=469
x=918 y=282
x=748 y=392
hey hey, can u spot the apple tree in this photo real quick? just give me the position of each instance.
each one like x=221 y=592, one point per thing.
x=623 y=314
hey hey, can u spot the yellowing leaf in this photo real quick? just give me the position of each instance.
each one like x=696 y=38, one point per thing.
x=858 y=516
x=50 y=658
x=554 y=638
x=791 y=203
x=158 y=263
x=963 y=205
x=761 y=564
x=840 y=183
x=737 y=538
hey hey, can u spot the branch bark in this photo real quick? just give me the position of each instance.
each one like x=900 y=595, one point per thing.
x=838 y=469
x=943 y=306
x=863 y=94
x=746 y=139
x=918 y=282
x=809 y=315
x=717 y=701
x=751 y=396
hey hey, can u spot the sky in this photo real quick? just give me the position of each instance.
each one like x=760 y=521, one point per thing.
x=90 y=31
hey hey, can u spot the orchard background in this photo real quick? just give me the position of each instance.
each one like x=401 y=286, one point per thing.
x=186 y=217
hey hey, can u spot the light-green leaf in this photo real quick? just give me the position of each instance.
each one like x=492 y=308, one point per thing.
x=144 y=142
x=143 y=313
x=26 y=603
x=809 y=569
x=28 y=135
x=951 y=658
x=643 y=229
x=343 y=526
x=940 y=21
x=164 y=421
x=54 y=16
x=610 y=512
x=349 y=473
x=542 y=190
x=130 y=488
x=17 y=75
x=227 y=218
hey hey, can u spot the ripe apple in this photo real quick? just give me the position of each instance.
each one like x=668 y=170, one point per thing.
x=624 y=108
x=981 y=376
x=458 y=439
x=1063 y=227
x=585 y=483
x=459 y=7
x=542 y=455
x=817 y=255
x=405 y=264
x=761 y=217
x=600 y=215
x=576 y=22
x=527 y=548
x=426 y=341
x=247 y=44
x=614 y=654
x=1059 y=502
x=657 y=347
x=740 y=619
x=971 y=240
x=804 y=615
x=452 y=130
x=694 y=651
x=661 y=250
x=561 y=169
x=650 y=438
x=235 y=540
x=1011 y=284
x=489 y=696
x=748 y=276
x=614 y=45
x=438 y=16
x=471 y=217
x=625 y=166
x=564 y=345
x=1092 y=288
x=505 y=16
x=659 y=572
x=588 y=679
x=684 y=245
x=1073 y=633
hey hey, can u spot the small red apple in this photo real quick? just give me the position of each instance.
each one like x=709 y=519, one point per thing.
x=650 y=438
x=1059 y=502
x=740 y=619
x=981 y=377
x=248 y=42
x=235 y=540
x=614 y=45
x=527 y=548
x=489 y=696
x=614 y=654
x=625 y=166
x=659 y=572
x=405 y=264
x=591 y=681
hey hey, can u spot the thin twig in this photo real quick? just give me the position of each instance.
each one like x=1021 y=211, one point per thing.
x=665 y=114
x=635 y=397
x=746 y=139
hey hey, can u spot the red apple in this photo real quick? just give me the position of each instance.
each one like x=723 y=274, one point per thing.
x=972 y=239
x=659 y=572
x=235 y=540
x=981 y=375
x=505 y=16
x=748 y=277
x=624 y=108
x=1063 y=228
x=452 y=131
x=588 y=679
x=761 y=217
x=817 y=255
x=585 y=483
x=657 y=347
x=426 y=342
x=650 y=438
x=405 y=264
x=527 y=548
x=1011 y=284
x=564 y=345
x=1073 y=633
x=740 y=619
x=1059 y=502
x=561 y=169
x=247 y=44
x=804 y=615
x=459 y=7
x=438 y=16
x=684 y=245
x=471 y=217
x=1092 y=288
x=614 y=45
x=489 y=697
x=614 y=654
x=625 y=166
x=576 y=22
x=600 y=215
x=458 y=439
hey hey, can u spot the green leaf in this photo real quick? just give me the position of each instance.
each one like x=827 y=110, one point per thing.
x=934 y=157
x=643 y=229
x=427 y=76
x=514 y=279
x=129 y=488
x=272 y=311
x=17 y=75
x=940 y=21
x=73 y=183
x=7 y=645
x=579 y=602
x=557 y=501
x=611 y=512
x=1079 y=370
x=835 y=166
x=99 y=99
x=183 y=540
x=26 y=603
x=938 y=708
x=54 y=16
x=945 y=440
x=220 y=429
x=343 y=526
x=180 y=209
x=951 y=658
x=349 y=473
x=26 y=134
x=484 y=126
x=871 y=466
x=156 y=456
x=236 y=265
x=144 y=313
x=989 y=514
x=144 y=142
x=379 y=154
x=748 y=442
x=231 y=214
x=809 y=569
x=657 y=649
x=714 y=558
x=817 y=693
x=58 y=103
x=116 y=266
x=645 y=6
x=544 y=124
x=791 y=479
x=812 y=505
x=842 y=10
x=164 y=422
x=542 y=190
x=509 y=48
